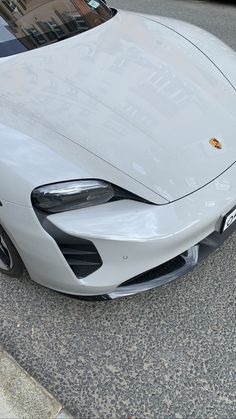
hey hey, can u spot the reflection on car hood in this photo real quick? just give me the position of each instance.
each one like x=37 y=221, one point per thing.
x=137 y=95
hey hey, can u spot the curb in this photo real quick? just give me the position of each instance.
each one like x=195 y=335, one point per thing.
x=22 y=397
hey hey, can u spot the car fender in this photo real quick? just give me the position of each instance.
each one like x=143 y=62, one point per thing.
x=27 y=162
x=219 y=53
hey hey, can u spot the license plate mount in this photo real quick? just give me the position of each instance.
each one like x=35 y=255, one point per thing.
x=228 y=220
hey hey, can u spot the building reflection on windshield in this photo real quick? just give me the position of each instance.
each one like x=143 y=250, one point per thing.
x=36 y=23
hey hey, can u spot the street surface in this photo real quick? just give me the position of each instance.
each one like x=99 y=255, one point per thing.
x=169 y=353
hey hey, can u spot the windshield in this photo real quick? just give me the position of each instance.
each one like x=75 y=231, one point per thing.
x=29 y=24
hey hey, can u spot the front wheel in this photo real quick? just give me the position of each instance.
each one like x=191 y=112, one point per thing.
x=10 y=260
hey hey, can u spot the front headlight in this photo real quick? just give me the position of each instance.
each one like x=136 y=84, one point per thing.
x=67 y=196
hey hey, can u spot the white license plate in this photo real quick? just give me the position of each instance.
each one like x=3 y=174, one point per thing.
x=228 y=220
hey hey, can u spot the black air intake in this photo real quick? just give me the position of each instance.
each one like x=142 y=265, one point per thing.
x=82 y=256
x=158 y=272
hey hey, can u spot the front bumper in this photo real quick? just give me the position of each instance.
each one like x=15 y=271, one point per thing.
x=173 y=269
x=131 y=238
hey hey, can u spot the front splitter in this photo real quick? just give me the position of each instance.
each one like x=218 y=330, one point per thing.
x=191 y=258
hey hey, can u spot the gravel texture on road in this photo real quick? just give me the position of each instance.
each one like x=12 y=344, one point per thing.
x=168 y=353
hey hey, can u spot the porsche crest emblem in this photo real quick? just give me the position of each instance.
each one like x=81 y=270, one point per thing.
x=215 y=143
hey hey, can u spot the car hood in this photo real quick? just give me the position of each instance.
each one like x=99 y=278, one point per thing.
x=137 y=95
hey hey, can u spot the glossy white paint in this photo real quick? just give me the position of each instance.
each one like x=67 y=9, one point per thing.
x=132 y=102
x=136 y=98
x=217 y=51
x=131 y=237
x=28 y=161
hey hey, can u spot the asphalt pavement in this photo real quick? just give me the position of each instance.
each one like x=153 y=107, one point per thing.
x=168 y=353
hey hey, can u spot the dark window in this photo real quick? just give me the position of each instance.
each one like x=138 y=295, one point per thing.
x=54 y=27
x=35 y=36
x=22 y=3
x=28 y=25
x=10 y=5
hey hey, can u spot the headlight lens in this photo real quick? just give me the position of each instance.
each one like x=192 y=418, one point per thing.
x=67 y=196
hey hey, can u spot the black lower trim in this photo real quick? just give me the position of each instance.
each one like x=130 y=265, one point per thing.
x=157 y=272
x=71 y=246
x=205 y=248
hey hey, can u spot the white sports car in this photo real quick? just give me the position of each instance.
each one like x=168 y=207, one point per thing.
x=118 y=146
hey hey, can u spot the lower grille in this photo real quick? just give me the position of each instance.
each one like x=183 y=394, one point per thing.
x=158 y=272
x=82 y=256
x=160 y=275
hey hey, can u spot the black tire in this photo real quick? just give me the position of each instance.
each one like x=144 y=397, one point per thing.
x=16 y=265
